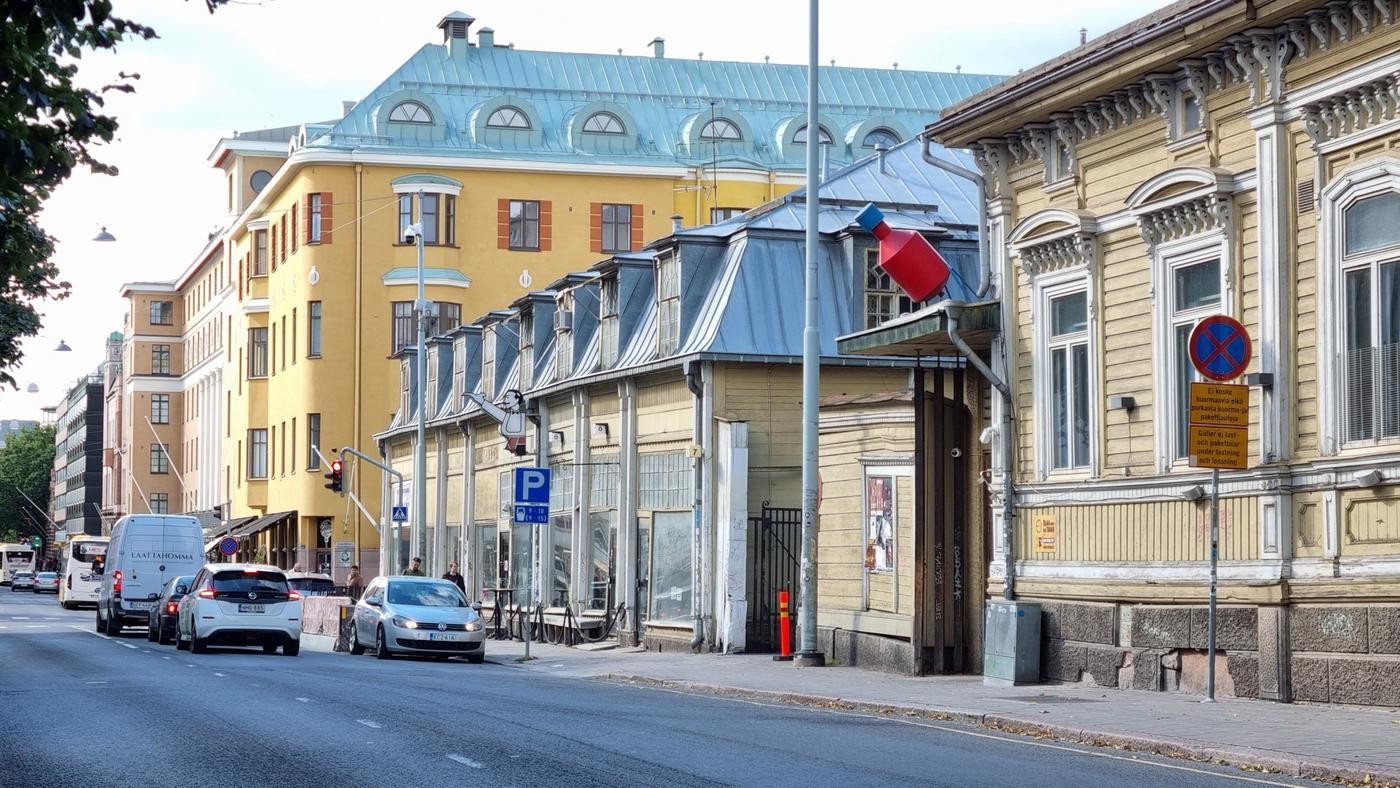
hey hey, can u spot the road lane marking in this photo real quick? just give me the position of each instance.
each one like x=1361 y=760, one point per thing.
x=220 y=675
x=126 y=645
x=94 y=682
x=19 y=618
x=369 y=723
x=35 y=626
x=303 y=700
x=167 y=657
x=468 y=762
x=188 y=665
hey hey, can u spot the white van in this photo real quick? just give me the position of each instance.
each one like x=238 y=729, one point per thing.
x=146 y=550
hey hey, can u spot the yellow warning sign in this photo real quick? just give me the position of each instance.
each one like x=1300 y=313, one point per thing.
x=1219 y=447
x=1045 y=533
x=1220 y=404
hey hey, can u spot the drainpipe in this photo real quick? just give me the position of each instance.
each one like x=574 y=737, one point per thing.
x=697 y=389
x=953 y=310
x=984 y=253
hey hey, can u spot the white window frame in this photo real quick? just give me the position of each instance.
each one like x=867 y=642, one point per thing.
x=1047 y=287
x=1356 y=183
x=668 y=304
x=1166 y=259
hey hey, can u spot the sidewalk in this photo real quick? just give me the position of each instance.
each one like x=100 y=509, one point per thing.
x=1340 y=743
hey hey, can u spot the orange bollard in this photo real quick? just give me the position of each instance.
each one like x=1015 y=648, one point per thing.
x=784 y=629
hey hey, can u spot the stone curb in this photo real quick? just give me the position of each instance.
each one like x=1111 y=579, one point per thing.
x=1288 y=764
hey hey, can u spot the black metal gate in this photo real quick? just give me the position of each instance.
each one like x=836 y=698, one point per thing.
x=774 y=553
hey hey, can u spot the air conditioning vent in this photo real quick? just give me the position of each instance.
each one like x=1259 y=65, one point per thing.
x=1306 y=196
x=563 y=320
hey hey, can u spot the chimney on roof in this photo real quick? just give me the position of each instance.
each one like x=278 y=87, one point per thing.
x=658 y=47
x=1083 y=36
x=486 y=38
x=676 y=225
x=880 y=151
x=346 y=106
x=454 y=34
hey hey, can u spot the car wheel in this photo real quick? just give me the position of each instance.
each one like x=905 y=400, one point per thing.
x=356 y=647
x=269 y=648
x=291 y=649
x=180 y=643
x=476 y=659
x=101 y=625
x=66 y=605
x=197 y=643
x=381 y=646
x=152 y=632
x=114 y=625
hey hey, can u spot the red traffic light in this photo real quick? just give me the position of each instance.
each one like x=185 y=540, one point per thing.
x=335 y=466
x=335 y=484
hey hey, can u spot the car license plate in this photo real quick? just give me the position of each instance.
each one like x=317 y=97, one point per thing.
x=139 y=605
x=446 y=636
x=252 y=608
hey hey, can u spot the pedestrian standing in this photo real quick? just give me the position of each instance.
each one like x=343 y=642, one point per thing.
x=455 y=577
x=355 y=584
x=415 y=568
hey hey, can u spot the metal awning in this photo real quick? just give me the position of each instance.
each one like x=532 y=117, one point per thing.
x=262 y=522
x=925 y=333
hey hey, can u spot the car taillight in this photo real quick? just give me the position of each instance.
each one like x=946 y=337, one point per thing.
x=117 y=582
x=207 y=593
x=70 y=581
x=293 y=596
x=170 y=608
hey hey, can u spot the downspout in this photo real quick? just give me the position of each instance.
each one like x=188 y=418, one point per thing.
x=697 y=389
x=359 y=346
x=984 y=254
x=953 y=310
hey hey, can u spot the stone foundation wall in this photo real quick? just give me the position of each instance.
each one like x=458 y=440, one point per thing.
x=1327 y=653
x=865 y=650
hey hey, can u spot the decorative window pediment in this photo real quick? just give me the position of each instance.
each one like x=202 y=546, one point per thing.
x=1182 y=202
x=1054 y=240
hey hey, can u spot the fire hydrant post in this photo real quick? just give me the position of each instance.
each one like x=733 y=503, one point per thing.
x=784 y=628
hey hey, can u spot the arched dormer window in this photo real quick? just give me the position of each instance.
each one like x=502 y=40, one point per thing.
x=604 y=123
x=823 y=136
x=508 y=118
x=880 y=136
x=721 y=130
x=410 y=112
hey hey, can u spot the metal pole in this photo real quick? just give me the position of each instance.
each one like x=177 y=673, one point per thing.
x=1214 y=563
x=420 y=454
x=808 y=656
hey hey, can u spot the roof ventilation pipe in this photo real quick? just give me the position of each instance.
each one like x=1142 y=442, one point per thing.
x=658 y=47
x=677 y=223
x=984 y=254
x=880 y=151
x=485 y=38
x=454 y=34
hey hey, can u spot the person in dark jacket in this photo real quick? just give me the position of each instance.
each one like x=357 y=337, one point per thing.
x=415 y=568
x=455 y=577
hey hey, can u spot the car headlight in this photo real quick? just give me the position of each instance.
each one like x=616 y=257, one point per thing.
x=406 y=623
x=474 y=625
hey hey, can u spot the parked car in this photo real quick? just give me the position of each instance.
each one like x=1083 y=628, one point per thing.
x=311 y=583
x=146 y=550
x=417 y=615
x=239 y=605
x=46 y=581
x=161 y=628
x=22 y=580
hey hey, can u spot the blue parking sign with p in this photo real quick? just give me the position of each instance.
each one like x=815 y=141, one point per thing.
x=532 y=485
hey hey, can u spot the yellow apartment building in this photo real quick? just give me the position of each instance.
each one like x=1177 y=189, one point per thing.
x=1214 y=157
x=521 y=166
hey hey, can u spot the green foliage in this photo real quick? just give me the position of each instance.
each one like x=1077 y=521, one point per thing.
x=48 y=126
x=25 y=465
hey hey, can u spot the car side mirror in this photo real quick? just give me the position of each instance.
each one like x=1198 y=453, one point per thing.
x=182 y=589
x=372 y=602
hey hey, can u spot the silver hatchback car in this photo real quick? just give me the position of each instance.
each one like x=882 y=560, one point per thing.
x=417 y=615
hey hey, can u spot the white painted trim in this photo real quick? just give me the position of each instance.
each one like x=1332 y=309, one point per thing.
x=426 y=188
x=1353 y=567
x=166 y=339
x=1274 y=153
x=254 y=306
x=1166 y=257
x=1193 y=572
x=1044 y=288
x=1365 y=179
x=1208 y=181
x=427 y=280
x=157 y=384
x=1368 y=71
x=1383 y=129
x=259 y=224
x=1076 y=221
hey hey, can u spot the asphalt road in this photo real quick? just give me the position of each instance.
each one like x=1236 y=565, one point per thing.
x=82 y=709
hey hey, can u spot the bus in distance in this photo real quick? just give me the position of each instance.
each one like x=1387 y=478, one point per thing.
x=78 y=585
x=15 y=558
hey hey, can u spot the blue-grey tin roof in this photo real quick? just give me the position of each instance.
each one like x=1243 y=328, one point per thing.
x=663 y=104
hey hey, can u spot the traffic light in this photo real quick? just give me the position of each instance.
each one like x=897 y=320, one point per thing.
x=335 y=484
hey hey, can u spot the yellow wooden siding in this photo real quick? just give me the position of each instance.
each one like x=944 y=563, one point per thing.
x=664 y=407
x=1305 y=309
x=1152 y=531
x=1126 y=348
x=1319 y=66
x=1370 y=522
x=455 y=491
x=1112 y=165
x=1308 y=526
x=488 y=497
x=1231 y=132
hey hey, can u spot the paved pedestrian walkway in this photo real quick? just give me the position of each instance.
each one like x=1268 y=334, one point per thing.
x=1323 y=742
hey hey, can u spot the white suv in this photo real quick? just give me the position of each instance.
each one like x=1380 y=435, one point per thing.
x=240 y=605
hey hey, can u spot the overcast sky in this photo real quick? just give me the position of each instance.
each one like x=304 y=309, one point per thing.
x=281 y=62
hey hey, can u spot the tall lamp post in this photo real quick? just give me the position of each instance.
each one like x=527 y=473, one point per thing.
x=807 y=654
x=420 y=453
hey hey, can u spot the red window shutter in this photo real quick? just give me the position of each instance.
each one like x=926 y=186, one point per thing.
x=295 y=240
x=503 y=224
x=306 y=221
x=595 y=227
x=282 y=245
x=636 y=227
x=327 y=216
x=546 y=225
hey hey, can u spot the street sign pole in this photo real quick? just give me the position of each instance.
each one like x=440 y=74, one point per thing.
x=526 y=622
x=1214 y=563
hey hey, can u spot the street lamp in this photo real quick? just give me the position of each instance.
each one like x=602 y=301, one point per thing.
x=420 y=454
x=103 y=236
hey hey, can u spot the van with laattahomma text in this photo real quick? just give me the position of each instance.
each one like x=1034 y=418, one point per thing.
x=146 y=550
